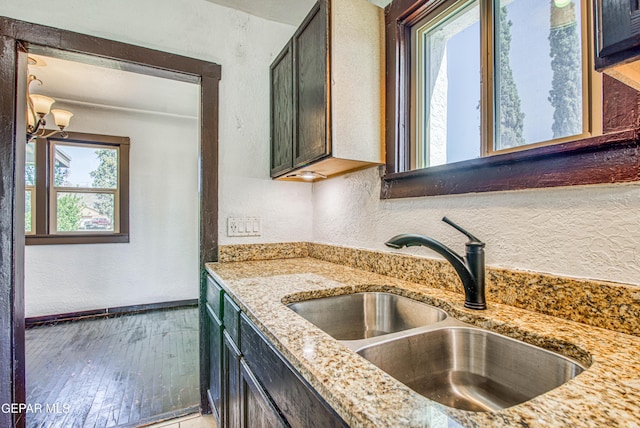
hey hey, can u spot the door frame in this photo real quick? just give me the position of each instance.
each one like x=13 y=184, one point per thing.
x=15 y=36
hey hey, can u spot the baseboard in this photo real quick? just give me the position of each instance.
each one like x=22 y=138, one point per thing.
x=165 y=417
x=108 y=312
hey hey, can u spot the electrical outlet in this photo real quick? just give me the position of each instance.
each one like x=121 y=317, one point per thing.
x=244 y=226
x=232 y=226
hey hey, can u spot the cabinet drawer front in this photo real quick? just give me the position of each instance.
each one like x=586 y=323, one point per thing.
x=231 y=318
x=295 y=399
x=214 y=296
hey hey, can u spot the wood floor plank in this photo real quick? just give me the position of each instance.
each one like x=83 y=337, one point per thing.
x=113 y=372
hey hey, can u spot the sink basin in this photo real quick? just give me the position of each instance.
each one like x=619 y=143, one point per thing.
x=365 y=315
x=471 y=369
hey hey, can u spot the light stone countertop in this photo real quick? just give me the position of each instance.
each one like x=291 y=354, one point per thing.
x=607 y=394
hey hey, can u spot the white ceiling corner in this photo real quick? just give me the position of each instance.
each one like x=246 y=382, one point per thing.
x=290 y=12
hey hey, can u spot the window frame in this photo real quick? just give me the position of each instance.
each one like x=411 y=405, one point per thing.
x=607 y=158
x=31 y=188
x=45 y=191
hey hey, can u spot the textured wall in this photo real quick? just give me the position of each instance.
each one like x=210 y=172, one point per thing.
x=161 y=261
x=587 y=231
x=245 y=46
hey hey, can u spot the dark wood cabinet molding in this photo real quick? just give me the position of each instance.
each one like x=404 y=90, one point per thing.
x=610 y=158
x=54 y=41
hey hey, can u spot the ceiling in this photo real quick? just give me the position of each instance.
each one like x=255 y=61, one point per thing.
x=72 y=82
x=286 y=11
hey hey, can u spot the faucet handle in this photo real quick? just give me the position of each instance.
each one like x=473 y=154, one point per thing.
x=472 y=239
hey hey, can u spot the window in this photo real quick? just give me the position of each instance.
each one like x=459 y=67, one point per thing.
x=30 y=189
x=77 y=190
x=487 y=95
x=536 y=93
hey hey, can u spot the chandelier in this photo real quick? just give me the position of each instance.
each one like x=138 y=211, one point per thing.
x=38 y=107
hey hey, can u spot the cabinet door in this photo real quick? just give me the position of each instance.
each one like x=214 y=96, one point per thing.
x=215 y=363
x=297 y=401
x=311 y=101
x=231 y=398
x=618 y=32
x=257 y=409
x=282 y=112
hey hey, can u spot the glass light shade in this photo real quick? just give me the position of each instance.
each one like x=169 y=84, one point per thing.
x=61 y=117
x=41 y=104
x=30 y=118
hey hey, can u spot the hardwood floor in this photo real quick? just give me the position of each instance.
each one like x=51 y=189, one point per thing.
x=113 y=372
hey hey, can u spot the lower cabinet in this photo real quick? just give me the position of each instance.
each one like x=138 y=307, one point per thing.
x=231 y=382
x=258 y=410
x=295 y=400
x=251 y=385
x=215 y=363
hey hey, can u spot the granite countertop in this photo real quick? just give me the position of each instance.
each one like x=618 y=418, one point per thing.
x=606 y=394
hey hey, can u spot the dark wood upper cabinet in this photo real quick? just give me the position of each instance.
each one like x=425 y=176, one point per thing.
x=326 y=92
x=617 y=40
x=282 y=112
x=310 y=47
x=617 y=31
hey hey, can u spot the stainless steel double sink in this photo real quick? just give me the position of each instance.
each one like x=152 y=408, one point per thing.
x=438 y=356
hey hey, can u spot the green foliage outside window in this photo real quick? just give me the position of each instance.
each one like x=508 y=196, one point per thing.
x=511 y=115
x=27 y=212
x=105 y=176
x=69 y=208
x=566 y=87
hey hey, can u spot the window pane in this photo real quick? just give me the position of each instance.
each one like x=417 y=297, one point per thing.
x=30 y=165
x=538 y=71
x=86 y=167
x=448 y=99
x=85 y=212
x=28 y=211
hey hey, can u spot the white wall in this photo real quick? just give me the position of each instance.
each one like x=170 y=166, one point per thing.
x=590 y=231
x=244 y=46
x=161 y=261
x=582 y=231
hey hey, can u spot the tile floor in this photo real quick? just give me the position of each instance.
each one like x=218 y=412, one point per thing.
x=191 y=421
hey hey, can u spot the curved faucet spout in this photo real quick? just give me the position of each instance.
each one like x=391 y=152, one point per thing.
x=470 y=269
x=413 y=240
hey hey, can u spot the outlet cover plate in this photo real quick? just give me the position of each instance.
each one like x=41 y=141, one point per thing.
x=244 y=226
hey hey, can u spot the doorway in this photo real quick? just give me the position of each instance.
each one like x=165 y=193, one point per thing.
x=17 y=38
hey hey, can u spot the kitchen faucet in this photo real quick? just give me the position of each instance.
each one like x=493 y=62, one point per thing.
x=470 y=269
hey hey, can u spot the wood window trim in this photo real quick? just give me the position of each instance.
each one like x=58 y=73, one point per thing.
x=138 y=59
x=42 y=234
x=613 y=157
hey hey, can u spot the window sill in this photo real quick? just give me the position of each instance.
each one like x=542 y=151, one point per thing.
x=94 y=238
x=609 y=158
